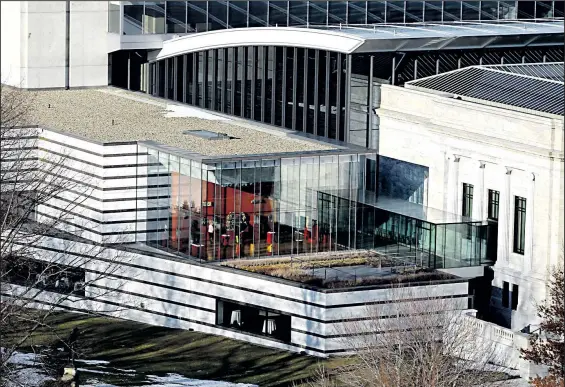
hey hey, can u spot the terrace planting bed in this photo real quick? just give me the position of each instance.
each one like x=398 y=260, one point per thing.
x=303 y=270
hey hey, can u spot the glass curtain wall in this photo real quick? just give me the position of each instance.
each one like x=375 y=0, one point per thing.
x=307 y=90
x=274 y=85
x=412 y=240
x=229 y=209
x=199 y=16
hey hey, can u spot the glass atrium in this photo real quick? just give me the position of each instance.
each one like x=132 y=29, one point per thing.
x=287 y=204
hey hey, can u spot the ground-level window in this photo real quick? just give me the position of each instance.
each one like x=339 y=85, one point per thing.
x=493 y=204
x=505 y=291
x=514 y=304
x=519 y=224
x=253 y=320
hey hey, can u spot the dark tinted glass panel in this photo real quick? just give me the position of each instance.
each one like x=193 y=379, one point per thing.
x=209 y=83
x=507 y=10
x=230 y=79
x=470 y=10
x=269 y=73
x=133 y=15
x=300 y=89
x=375 y=12
x=238 y=14
x=432 y=11
x=220 y=78
x=180 y=82
x=493 y=204
x=318 y=12
x=161 y=69
x=298 y=12
x=414 y=11
x=519 y=224
x=201 y=71
x=322 y=94
x=337 y=12
x=197 y=16
x=505 y=295
x=451 y=10
x=514 y=304
x=176 y=17
x=544 y=9
x=259 y=79
x=249 y=76
x=395 y=12
x=467 y=209
x=310 y=89
x=357 y=12
x=559 y=8
x=278 y=85
x=258 y=13
x=240 y=71
x=278 y=13
x=289 y=78
x=489 y=10
x=189 y=78
x=217 y=11
x=526 y=9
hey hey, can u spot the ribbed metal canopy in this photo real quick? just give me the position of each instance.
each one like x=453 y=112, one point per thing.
x=537 y=87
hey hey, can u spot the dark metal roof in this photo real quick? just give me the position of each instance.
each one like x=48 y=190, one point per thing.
x=538 y=87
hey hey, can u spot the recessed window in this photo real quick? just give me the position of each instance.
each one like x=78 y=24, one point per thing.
x=505 y=291
x=467 y=209
x=253 y=320
x=519 y=224
x=493 y=204
x=514 y=304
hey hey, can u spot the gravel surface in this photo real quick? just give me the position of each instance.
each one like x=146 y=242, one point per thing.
x=89 y=113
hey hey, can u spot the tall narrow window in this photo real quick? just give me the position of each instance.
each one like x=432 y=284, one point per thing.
x=514 y=297
x=505 y=291
x=493 y=204
x=467 y=200
x=519 y=224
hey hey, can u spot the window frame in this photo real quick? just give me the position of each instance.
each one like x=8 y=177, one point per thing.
x=493 y=209
x=519 y=232
x=467 y=197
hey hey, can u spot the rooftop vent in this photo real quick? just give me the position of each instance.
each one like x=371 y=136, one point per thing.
x=208 y=135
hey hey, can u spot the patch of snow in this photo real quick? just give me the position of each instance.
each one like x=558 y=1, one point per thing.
x=176 y=380
x=172 y=380
x=27 y=377
x=92 y=362
x=128 y=371
x=19 y=358
x=188 y=111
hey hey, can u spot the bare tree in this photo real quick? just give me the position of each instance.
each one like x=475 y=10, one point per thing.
x=417 y=339
x=35 y=279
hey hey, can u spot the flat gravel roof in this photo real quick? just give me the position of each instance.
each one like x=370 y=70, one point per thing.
x=113 y=115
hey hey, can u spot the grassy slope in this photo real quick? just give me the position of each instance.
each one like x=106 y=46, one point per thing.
x=158 y=350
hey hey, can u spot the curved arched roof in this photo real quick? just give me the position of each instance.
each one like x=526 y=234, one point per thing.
x=376 y=38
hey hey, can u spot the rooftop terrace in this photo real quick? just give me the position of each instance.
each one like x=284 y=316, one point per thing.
x=113 y=115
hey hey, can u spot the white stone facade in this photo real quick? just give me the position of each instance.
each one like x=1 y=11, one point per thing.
x=518 y=153
x=34 y=48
